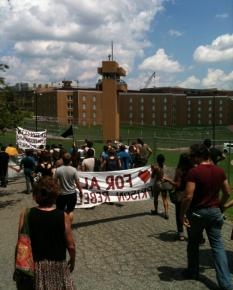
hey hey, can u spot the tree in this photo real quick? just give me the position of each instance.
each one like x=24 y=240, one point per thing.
x=11 y=115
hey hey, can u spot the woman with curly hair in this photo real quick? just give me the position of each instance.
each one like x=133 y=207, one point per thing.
x=51 y=235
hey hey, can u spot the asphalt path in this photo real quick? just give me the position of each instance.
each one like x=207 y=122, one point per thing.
x=119 y=246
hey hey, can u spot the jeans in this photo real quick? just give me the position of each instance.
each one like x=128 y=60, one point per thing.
x=210 y=219
x=29 y=181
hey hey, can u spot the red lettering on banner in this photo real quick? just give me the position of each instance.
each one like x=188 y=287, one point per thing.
x=129 y=180
x=144 y=195
x=94 y=183
x=135 y=196
x=93 y=198
x=99 y=198
x=105 y=194
x=120 y=197
x=119 y=182
x=86 y=198
x=110 y=182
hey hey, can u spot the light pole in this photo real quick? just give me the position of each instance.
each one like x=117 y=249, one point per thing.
x=213 y=122
x=35 y=104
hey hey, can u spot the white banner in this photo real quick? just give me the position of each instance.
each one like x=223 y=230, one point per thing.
x=115 y=186
x=26 y=139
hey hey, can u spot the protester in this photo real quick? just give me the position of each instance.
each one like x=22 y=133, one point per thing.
x=215 y=154
x=184 y=165
x=201 y=209
x=113 y=162
x=45 y=167
x=143 y=150
x=160 y=185
x=68 y=179
x=4 y=160
x=89 y=162
x=28 y=165
x=125 y=158
x=11 y=150
x=51 y=235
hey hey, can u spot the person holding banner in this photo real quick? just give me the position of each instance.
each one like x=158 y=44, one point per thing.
x=68 y=179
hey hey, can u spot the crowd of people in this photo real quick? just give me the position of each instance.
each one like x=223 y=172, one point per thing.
x=196 y=185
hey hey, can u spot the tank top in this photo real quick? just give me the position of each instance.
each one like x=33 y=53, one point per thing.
x=47 y=233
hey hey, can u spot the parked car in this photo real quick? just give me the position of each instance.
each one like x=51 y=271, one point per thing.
x=228 y=147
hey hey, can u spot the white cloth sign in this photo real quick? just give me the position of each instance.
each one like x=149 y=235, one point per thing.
x=26 y=139
x=115 y=186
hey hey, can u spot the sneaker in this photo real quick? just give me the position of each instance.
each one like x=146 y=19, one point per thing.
x=154 y=212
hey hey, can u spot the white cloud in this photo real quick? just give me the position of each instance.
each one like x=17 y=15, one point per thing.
x=222 y=16
x=217 y=78
x=190 y=82
x=160 y=61
x=221 y=49
x=50 y=38
x=175 y=33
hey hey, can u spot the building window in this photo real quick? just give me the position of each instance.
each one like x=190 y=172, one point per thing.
x=210 y=115
x=131 y=108
x=84 y=98
x=165 y=107
x=142 y=122
x=189 y=115
x=164 y=115
x=70 y=98
x=153 y=122
x=84 y=123
x=189 y=108
x=220 y=102
x=153 y=115
x=210 y=102
x=220 y=122
x=199 y=102
x=220 y=108
x=84 y=106
x=70 y=113
x=94 y=99
x=130 y=115
x=142 y=115
x=94 y=115
x=165 y=123
x=153 y=100
x=94 y=122
x=220 y=115
x=210 y=122
x=69 y=121
x=189 y=102
x=199 y=122
x=165 y=100
x=142 y=100
x=153 y=108
x=210 y=109
x=199 y=116
x=189 y=122
x=84 y=115
x=94 y=107
x=142 y=108
x=130 y=100
x=70 y=106
x=199 y=109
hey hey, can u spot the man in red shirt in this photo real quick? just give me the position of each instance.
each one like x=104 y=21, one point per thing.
x=202 y=206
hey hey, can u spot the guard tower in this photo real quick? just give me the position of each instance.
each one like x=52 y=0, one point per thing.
x=111 y=86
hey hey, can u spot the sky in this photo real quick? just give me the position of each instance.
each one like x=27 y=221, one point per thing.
x=187 y=43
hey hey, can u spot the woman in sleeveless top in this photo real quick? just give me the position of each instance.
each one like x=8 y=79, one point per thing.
x=51 y=235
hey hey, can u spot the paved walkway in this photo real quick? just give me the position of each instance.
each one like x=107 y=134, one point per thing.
x=118 y=247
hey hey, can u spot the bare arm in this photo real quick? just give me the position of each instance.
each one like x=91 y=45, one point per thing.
x=188 y=196
x=79 y=189
x=226 y=190
x=70 y=244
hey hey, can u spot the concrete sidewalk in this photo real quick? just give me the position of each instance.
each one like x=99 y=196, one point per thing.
x=119 y=247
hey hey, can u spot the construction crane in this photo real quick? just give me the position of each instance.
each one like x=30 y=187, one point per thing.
x=149 y=80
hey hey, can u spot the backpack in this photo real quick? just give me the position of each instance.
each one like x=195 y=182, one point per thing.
x=112 y=164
